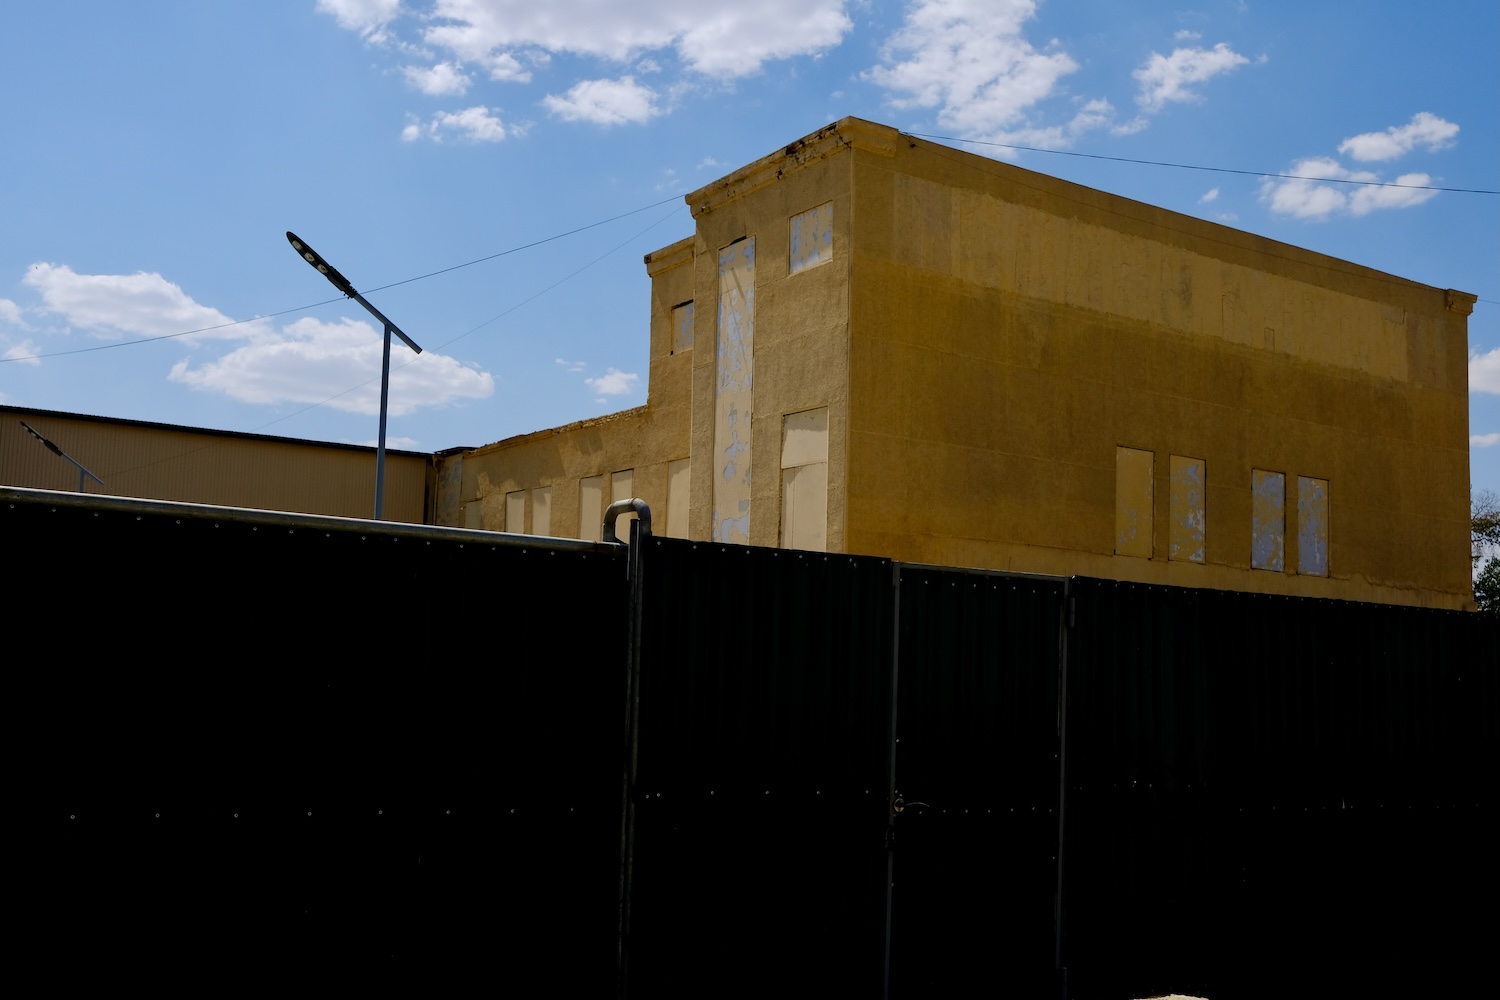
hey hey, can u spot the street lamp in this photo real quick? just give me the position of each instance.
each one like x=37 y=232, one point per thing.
x=82 y=472
x=342 y=284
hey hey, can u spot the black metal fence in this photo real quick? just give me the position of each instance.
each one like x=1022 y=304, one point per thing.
x=313 y=747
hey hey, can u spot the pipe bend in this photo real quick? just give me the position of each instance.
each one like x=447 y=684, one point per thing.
x=613 y=512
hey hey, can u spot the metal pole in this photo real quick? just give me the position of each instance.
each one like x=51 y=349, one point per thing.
x=385 y=390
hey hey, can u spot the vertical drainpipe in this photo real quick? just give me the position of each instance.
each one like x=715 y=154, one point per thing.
x=640 y=530
x=1067 y=618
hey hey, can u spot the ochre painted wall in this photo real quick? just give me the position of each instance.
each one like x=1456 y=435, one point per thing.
x=989 y=341
x=645 y=439
x=1010 y=331
x=196 y=465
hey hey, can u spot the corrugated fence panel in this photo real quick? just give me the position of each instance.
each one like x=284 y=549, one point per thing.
x=974 y=873
x=1271 y=794
x=267 y=749
x=760 y=804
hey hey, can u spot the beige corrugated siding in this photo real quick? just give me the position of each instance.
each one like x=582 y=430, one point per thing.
x=204 y=466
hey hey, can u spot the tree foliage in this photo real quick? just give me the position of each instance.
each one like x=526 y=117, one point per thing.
x=1484 y=509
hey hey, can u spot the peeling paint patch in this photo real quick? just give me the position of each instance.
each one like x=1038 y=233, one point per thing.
x=1312 y=526
x=1186 y=509
x=1134 y=501
x=1268 y=520
x=810 y=241
x=733 y=390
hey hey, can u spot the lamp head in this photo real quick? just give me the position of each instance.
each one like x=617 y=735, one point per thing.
x=324 y=268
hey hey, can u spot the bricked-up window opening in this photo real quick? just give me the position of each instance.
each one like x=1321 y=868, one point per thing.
x=679 y=487
x=1189 y=524
x=622 y=487
x=515 y=512
x=682 y=326
x=1268 y=520
x=810 y=241
x=1134 y=499
x=804 y=480
x=541 y=511
x=1312 y=526
x=591 y=508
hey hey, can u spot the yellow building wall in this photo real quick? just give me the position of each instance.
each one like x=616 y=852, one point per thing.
x=194 y=465
x=801 y=356
x=993 y=352
x=1010 y=332
x=645 y=440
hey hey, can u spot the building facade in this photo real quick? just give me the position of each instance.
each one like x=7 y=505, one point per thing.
x=879 y=345
x=136 y=458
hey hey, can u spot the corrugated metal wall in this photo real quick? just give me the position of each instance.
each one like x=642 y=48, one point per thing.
x=319 y=745
x=759 y=808
x=305 y=750
x=201 y=466
x=1273 y=794
x=977 y=714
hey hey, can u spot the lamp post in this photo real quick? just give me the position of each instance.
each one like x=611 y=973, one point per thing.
x=342 y=284
x=82 y=472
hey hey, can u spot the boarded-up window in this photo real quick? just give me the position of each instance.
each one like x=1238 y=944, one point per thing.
x=682 y=326
x=622 y=487
x=733 y=392
x=474 y=514
x=590 y=508
x=679 y=485
x=515 y=512
x=541 y=511
x=1267 y=520
x=1189 y=478
x=1134 y=498
x=804 y=480
x=1312 y=526
x=811 y=238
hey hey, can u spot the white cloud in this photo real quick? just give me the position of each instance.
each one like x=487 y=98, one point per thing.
x=572 y=366
x=1164 y=79
x=1307 y=199
x=968 y=59
x=437 y=81
x=708 y=161
x=720 y=40
x=403 y=443
x=506 y=68
x=476 y=124
x=605 y=102
x=142 y=303
x=11 y=313
x=1184 y=35
x=1483 y=440
x=1425 y=130
x=613 y=383
x=310 y=361
x=1484 y=372
x=23 y=353
x=1210 y=195
x=363 y=16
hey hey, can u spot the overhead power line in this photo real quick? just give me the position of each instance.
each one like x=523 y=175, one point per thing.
x=324 y=302
x=1195 y=166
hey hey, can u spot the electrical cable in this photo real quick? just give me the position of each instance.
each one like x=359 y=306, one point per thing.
x=366 y=291
x=1192 y=166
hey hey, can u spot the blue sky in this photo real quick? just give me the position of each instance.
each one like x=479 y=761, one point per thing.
x=155 y=152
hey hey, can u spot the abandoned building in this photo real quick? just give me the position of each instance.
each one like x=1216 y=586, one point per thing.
x=873 y=344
